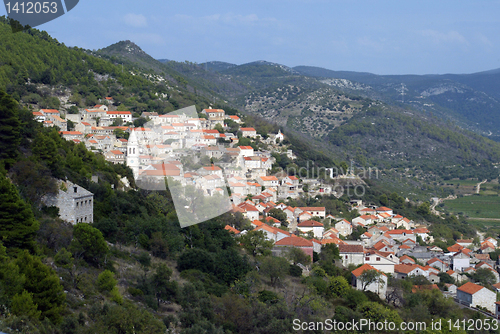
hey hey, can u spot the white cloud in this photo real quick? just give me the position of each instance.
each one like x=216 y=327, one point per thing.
x=484 y=40
x=230 y=19
x=135 y=20
x=439 y=37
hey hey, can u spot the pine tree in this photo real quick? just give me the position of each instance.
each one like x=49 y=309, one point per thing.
x=43 y=285
x=17 y=223
x=10 y=133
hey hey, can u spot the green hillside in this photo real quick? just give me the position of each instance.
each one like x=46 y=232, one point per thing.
x=395 y=138
x=36 y=69
x=470 y=100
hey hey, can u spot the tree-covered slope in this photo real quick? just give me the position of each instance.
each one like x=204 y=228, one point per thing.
x=392 y=137
x=37 y=69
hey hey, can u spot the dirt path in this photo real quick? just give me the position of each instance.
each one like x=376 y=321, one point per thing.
x=488 y=219
x=478 y=186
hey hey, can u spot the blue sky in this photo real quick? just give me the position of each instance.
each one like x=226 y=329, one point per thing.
x=378 y=36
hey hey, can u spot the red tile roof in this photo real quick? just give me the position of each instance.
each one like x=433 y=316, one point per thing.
x=470 y=288
x=406 y=257
x=231 y=229
x=351 y=249
x=294 y=241
x=359 y=271
x=310 y=223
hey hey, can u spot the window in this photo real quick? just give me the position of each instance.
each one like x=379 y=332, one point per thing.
x=346 y=257
x=75 y=189
x=378 y=259
x=367 y=259
x=76 y=204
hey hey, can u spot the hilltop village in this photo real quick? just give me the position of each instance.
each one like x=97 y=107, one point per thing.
x=207 y=152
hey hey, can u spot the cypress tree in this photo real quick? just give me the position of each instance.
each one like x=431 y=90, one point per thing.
x=17 y=223
x=10 y=133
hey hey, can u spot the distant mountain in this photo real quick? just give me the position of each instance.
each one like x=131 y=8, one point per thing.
x=217 y=66
x=260 y=68
x=470 y=100
x=190 y=76
x=129 y=52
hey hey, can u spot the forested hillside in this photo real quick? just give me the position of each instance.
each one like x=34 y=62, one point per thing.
x=37 y=69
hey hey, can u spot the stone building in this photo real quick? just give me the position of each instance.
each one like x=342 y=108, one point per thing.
x=474 y=295
x=75 y=204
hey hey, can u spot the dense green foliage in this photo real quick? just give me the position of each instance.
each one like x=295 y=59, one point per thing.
x=17 y=223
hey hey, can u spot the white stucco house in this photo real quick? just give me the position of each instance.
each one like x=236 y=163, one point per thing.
x=379 y=286
x=474 y=295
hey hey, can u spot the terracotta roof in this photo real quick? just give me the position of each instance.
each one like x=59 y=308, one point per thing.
x=212 y=168
x=470 y=288
x=359 y=271
x=247 y=207
x=406 y=257
x=312 y=208
x=487 y=244
x=118 y=113
x=70 y=133
x=367 y=210
x=231 y=229
x=482 y=263
x=272 y=219
x=294 y=241
x=351 y=249
x=464 y=241
x=455 y=248
x=334 y=240
x=268 y=178
x=482 y=257
x=247 y=129
x=383 y=208
x=379 y=245
x=310 y=223
x=406 y=268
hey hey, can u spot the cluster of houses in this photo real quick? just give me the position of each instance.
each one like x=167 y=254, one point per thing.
x=391 y=245
x=155 y=151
